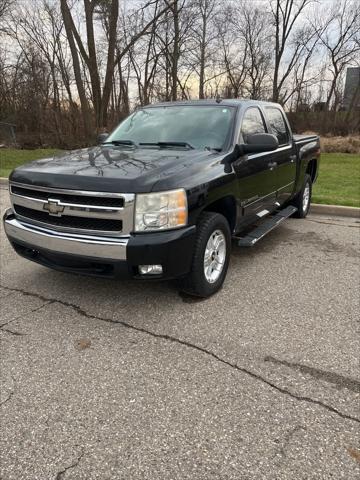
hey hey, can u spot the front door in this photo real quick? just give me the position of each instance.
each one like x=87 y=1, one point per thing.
x=257 y=190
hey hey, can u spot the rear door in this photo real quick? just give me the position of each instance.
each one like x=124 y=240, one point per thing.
x=257 y=188
x=284 y=158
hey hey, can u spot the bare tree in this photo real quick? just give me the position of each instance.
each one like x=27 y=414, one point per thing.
x=5 y=8
x=71 y=66
x=173 y=36
x=339 y=33
x=100 y=97
x=305 y=45
x=286 y=13
x=101 y=94
x=175 y=10
x=204 y=36
x=234 y=52
x=255 y=29
x=144 y=57
x=40 y=27
x=68 y=24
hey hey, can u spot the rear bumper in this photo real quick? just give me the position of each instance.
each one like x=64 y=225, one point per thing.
x=103 y=256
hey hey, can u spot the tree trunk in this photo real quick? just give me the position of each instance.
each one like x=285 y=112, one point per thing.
x=202 y=58
x=114 y=12
x=77 y=71
x=175 y=55
x=92 y=61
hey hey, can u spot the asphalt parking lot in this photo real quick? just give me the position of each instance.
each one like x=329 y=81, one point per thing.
x=103 y=379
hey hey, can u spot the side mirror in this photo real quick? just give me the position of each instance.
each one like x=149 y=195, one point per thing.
x=101 y=138
x=260 y=142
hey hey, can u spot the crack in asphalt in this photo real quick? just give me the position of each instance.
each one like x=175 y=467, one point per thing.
x=61 y=473
x=17 y=334
x=10 y=394
x=47 y=302
x=7 y=398
x=198 y=348
x=331 y=377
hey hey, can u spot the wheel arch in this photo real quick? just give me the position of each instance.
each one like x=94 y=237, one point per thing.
x=226 y=206
x=312 y=169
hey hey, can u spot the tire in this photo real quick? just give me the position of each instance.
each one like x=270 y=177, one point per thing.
x=302 y=200
x=213 y=240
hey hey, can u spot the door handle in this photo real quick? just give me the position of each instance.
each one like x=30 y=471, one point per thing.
x=292 y=158
x=272 y=165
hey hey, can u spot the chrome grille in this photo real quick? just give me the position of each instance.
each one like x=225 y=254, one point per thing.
x=73 y=210
x=68 y=221
x=75 y=199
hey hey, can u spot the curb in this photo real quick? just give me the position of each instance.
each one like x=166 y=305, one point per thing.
x=335 y=210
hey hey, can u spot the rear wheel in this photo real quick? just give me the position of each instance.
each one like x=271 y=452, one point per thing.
x=211 y=256
x=303 y=199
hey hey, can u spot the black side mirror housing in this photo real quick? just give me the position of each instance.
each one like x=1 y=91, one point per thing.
x=260 y=142
x=101 y=138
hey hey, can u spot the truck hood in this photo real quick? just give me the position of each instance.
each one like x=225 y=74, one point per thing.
x=114 y=169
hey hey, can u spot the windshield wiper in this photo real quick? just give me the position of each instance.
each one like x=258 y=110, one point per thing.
x=216 y=149
x=168 y=144
x=129 y=143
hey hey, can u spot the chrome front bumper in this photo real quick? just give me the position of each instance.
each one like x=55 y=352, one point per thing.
x=102 y=248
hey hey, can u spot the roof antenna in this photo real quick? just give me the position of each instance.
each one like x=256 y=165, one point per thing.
x=218 y=99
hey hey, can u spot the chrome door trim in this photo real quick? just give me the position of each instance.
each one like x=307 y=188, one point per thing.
x=262 y=154
x=260 y=199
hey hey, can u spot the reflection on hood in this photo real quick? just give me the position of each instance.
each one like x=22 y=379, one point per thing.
x=122 y=169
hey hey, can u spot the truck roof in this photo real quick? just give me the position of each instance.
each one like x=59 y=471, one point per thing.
x=230 y=102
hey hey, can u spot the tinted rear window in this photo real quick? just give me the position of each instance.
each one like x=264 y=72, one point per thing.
x=277 y=125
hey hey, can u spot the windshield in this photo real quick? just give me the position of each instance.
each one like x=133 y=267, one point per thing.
x=199 y=127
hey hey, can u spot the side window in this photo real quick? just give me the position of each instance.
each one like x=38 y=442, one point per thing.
x=252 y=123
x=277 y=125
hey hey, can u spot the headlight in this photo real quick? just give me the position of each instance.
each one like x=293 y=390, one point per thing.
x=160 y=211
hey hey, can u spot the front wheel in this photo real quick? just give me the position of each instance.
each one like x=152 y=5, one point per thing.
x=211 y=256
x=303 y=199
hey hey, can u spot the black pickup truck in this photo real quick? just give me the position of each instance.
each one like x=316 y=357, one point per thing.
x=165 y=193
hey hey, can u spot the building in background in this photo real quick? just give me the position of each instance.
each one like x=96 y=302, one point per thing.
x=352 y=89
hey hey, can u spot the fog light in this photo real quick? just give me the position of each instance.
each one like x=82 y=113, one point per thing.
x=150 y=269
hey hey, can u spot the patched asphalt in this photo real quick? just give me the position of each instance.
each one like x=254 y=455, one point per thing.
x=105 y=379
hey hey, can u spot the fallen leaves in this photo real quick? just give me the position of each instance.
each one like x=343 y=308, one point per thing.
x=83 y=343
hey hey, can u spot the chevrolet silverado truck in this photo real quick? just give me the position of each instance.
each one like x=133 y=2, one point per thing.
x=166 y=194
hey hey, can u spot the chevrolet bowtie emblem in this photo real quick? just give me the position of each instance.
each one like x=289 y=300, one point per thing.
x=54 y=207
